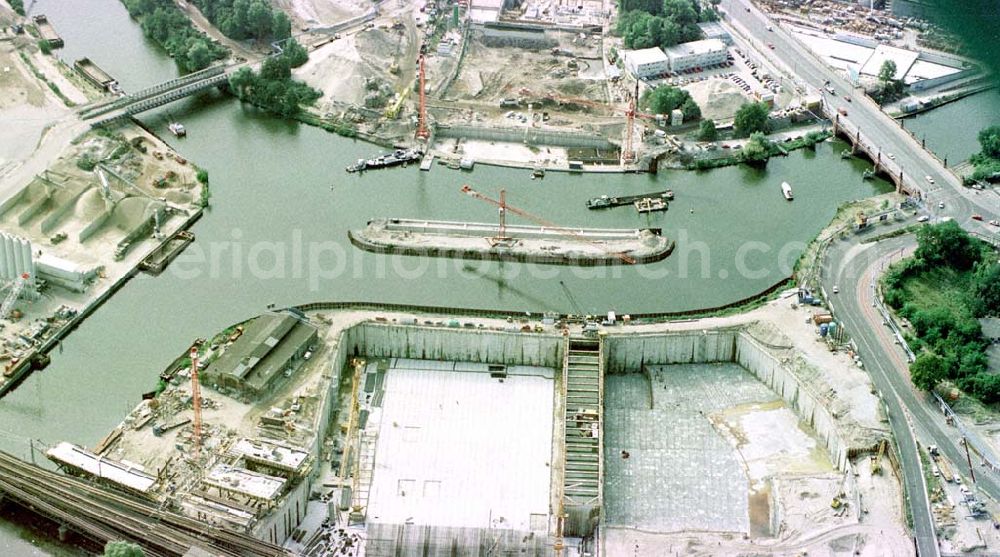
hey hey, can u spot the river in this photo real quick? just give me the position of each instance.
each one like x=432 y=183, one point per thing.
x=947 y=129
x=281 y=208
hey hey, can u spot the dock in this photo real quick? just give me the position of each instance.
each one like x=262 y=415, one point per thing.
x=607 y=201
x=94 y=74
x=534 y=244
x=426 y=164
x=158 y=259
x=47 y=31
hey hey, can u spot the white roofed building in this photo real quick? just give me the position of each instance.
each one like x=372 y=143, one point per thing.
x=646 y=63
x=696 y=54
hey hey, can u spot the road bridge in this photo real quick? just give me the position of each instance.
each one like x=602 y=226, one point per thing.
x=102 y=515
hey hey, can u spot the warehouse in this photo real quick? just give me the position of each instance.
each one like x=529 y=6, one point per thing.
x=270 y=345
x=646 y=63
x=696 y=54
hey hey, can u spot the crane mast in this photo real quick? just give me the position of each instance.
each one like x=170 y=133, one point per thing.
x=502 y=237
x=196 y=400
x=628 y=154
x=422 y=132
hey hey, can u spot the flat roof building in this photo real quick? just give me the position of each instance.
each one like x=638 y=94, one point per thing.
x=715 y=30
x=123 y=474
x=696 y=54
x=270 y=345
x=646 y=63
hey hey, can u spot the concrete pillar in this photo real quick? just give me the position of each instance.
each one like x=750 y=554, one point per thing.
x=63 y=532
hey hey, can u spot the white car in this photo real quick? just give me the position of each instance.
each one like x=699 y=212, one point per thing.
x=836 y=290
x=940 y=204
x=924 y=218
x=892 y=157
x=929 y=179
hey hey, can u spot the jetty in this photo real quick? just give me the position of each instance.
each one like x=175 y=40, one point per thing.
x=534 y=244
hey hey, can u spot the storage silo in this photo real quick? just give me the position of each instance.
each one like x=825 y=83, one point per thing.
x=10 y=256
x=5 y=270
x=28 y=265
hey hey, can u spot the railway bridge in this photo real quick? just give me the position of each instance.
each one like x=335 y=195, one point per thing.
x=101 y=514
x=112 y=110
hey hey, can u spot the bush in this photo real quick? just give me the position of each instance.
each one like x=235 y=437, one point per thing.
x=707 y=131
x=664 y=99
x=162 y=21
x=18 y=6
x=44 y=46
x=750 y=118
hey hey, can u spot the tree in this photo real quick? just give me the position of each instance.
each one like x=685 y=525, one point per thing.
x=241 y=82
x=887 y=72
x=281 y=26
x=989 y=141
x=275 y=68
x=750 y=118
x=665 y=99
x=928 y=370
x=260 y=19
x=758 y=149
x=947 y=244
x=295 y=54
x=707 y=131
x=986 y=286
x=199 y=56
x=123 y=549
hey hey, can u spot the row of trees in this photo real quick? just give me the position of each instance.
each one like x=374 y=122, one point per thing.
x=163 y=22
x=664 y=99
x=273 y=88
x=246 y=19
x=662 y=23
x=948 y=337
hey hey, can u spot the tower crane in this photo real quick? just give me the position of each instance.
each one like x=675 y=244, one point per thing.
x=422 y=132
x=502 y=238
x=196 y=400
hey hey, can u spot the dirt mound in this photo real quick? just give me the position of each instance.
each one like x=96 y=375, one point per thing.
x=89 y=205
x=130 y=212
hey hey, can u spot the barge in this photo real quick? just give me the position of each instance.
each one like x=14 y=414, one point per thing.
x=534 y=244
x=47 y=31
x=94 y=74
x=158 y=259
x=606 y=201
x=395 y=158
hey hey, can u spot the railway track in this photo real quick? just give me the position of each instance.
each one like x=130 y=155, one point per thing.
x=103 y=515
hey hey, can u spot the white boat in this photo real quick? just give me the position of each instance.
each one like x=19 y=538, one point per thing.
x=177 y=129
x=786 y=190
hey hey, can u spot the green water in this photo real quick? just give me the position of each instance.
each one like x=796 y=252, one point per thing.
x=950 y=131
x=277 y=185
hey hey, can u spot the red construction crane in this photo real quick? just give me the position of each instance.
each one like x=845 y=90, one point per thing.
x=196 y=400
x=502 y=237
x=422 y=132
x=628 y=154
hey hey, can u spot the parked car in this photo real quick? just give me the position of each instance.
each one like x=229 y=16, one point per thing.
x=977 y=217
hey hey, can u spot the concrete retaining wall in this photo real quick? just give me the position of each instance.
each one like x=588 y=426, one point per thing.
x=389 y=340
x=527 y=136
x=94 y=226
x=630 y=353
x=755 y=359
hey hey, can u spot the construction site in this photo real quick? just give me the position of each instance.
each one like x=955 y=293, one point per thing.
x=535 y=85
x=81 y=211
x=334 y=430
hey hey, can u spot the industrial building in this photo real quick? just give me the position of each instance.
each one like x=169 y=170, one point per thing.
x=696 y=54
x=646 y=63
x=270 y=345
x=521 y=35
x=715 y=30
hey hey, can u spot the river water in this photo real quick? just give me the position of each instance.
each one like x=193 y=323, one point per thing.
x=950 y=131
x=276 y=233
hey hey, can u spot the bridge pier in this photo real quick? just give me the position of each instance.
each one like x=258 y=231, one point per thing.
x=63 y=532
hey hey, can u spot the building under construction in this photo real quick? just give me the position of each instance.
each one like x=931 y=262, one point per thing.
x=422 y=435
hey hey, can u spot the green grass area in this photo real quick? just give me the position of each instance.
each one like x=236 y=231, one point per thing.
x=941 y=287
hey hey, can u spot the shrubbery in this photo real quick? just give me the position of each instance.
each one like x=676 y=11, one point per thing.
x=663 y=23
x=246 y=19
x=163 y=22
x=273 y=87
x=951 y=280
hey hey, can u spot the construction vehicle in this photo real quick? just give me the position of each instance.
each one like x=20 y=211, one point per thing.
x=160 y=429
x=838 y=501
x=392 y=111
x=502 y=239
x=877 y=458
